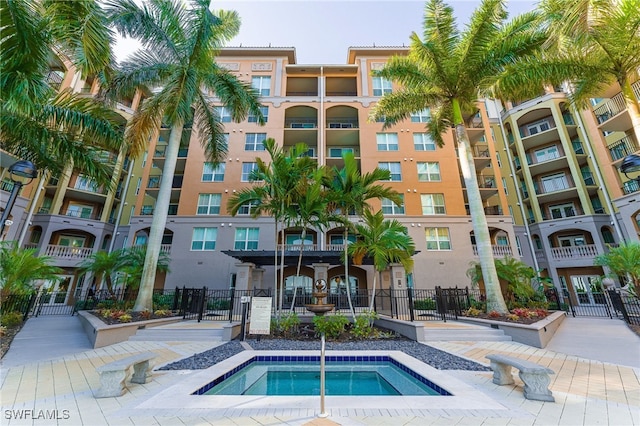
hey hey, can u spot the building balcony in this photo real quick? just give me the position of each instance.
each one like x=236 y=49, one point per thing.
x=498 y=251
x=65 y=252
x=587 y=251
x=631 y=186
x=621 y=148
x=311 y=247
x=613 y=115
x=301 y=123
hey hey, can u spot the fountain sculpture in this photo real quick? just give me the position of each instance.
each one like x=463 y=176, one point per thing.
x=320 y=308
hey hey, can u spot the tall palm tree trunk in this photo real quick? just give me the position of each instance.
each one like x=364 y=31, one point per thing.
x=281 y=283
x=295 y=288
x=346 y=269
x=495 y=300
x=144 y=301
x=373 y=292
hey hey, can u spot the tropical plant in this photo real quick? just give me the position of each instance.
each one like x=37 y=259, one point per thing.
x=179 y=41
x=274 y=193
x=624 y=261
x=348 y=192
x=447 y=71
x=103 y=265
x=50 y=128
x=596 y=43
x=133 y=264
x=21 y=268
x=385 y=242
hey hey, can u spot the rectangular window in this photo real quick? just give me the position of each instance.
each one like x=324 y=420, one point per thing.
x=254 y=118
x=213 y=174
x=432 y=204
x=504 y=185
x=209 y=203
x=339 y=152
x=518 y=245
x=381 y=86
x=438 y=238
x=253 y=141
x=138 y=186
x=246 y=208
x=247 y=168
x=423 y=116
x=387 y=141
x=86 y=183
x=389 y=207
x=428 y=171
x=394 y=168
x=423 y=142
x=246 y=239
x=204 y=239
x=498 y=159
x=262 y=84
x=224 y=114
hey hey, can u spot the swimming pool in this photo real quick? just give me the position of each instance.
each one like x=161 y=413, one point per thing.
x=300 y=375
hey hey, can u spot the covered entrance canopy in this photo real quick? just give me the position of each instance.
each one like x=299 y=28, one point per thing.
x=309 y=257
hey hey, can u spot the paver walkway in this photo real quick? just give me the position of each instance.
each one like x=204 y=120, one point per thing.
x=587 y=392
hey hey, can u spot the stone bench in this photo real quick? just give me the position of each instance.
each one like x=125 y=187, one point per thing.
x=114 y=374
x=535 y=377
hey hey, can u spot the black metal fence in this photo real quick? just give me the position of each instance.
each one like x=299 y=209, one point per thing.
x=227 y=305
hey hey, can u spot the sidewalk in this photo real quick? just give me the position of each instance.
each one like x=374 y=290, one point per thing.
x=50 y=368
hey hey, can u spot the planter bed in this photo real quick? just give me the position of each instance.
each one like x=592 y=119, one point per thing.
x=101 y=334
x=537 y=334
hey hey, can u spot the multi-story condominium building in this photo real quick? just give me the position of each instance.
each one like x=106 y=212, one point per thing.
x=561 y=186
x=67 y=217
x=327 y=108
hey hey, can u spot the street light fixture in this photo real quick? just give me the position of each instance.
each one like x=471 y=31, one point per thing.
x=21 y=173
x=631 y=164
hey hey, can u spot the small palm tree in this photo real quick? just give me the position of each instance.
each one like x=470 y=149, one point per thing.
x=348 y=192
x=447 y=71
x=21 y=268
x=623 y=260
x=103 y=265
x=180 y=42
x=385 y=242
x=39 y=124
x=132 y=265
x=517 y=275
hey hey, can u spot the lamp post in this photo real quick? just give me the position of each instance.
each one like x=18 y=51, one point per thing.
x=21 y=173
x=631 y=164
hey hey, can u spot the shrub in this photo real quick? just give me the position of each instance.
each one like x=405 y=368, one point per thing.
x=363 y=326
x=11 y=319
x=162 y=313
x=218 y=304
x=425 y=304
x=162 y=301
x=289 y=323
x=3 y=330
x=146 y=314
x=331 y=325
x=494 y=314
x=513 y=317
x=473 y=312
x=125 y=318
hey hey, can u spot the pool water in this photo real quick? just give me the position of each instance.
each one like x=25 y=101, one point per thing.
x=359 y=376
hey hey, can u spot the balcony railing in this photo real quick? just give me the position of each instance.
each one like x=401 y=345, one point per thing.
x=342 y=123
x=499 y=251
x=301 y=123
x=610 y=109
x=621 y=148
x=631 y=186
x=493 y=210
x=310 y=247
x=574 y=252
x=6 y=186
x=66 y=252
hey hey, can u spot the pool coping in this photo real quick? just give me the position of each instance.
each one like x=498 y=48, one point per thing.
x=179 y=396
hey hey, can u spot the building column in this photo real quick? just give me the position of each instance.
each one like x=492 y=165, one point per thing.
x=320 y=271
x=398 y=277
x=257 y=277
x=244 y=279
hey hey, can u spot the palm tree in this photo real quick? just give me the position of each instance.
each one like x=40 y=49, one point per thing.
x=274 y=192
x=309 y=210
x=133 y=262
x=598 y=43
x=517 y=275
x=349 y=191
x=21 y=268
x=447 y=71
x=103 y=265
x=178 y=61
x=39 y=124
x=623 y=260
x=385 y=242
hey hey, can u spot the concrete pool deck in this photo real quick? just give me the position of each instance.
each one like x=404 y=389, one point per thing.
x=587 y=392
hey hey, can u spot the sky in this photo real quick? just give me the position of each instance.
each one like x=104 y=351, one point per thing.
x=322 y=31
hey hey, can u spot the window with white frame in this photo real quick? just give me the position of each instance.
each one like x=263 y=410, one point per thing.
x=262 y=84
x=204 y=238
x=253 y=141
x=211 y=173
x=423 y=142
x=247 y=168
x=432 y=204
x=394 y=168
x=438 y=238
x=387 y=141
x=224 y=114
x=253 y=118
x=246 y=208
x=504 y=185
x=209 y=204
x=138 y=185
x=423 y=116
x=381 y=86
x=428 y=171
x=498 y=159
x=246 y=239
x=389 y=207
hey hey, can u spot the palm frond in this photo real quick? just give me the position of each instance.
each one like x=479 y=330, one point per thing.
x=210 y=130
